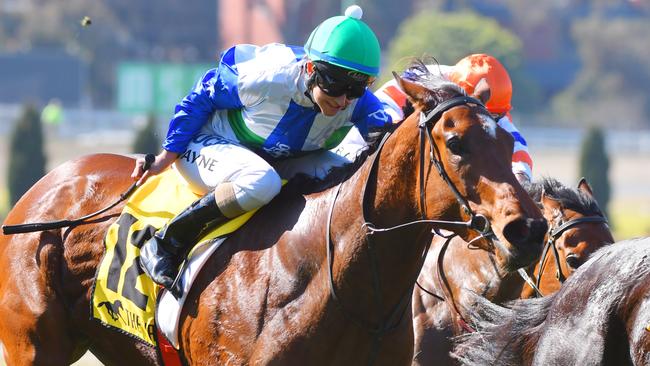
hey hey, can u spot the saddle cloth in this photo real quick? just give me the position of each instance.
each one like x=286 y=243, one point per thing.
x=124 y=297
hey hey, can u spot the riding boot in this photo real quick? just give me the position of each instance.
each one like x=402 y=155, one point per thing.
x=161 y=255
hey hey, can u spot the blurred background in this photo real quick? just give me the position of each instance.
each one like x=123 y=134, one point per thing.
x=78 y=77
x=83 y=76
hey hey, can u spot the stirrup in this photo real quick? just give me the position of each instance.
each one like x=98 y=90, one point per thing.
x=176 y=288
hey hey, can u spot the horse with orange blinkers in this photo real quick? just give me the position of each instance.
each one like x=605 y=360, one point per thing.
x=314 y=278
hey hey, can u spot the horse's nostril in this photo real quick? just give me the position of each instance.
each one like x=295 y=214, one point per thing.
x=540 y=227
x=572 y=261
x=524 y=231
x=517 y=231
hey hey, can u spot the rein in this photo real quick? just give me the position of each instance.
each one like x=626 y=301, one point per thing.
x=475 y=222
x=446 y=290
x=50 y=225
x=553 y=235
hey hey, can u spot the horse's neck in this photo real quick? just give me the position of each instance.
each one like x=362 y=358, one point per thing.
x=390 y=200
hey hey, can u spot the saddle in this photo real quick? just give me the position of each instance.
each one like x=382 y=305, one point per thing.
x=125 y=298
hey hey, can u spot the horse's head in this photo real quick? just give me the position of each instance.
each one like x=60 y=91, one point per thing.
x=474 y=181
x=577 y=225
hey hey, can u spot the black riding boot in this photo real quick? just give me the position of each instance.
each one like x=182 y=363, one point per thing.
x=161 y=255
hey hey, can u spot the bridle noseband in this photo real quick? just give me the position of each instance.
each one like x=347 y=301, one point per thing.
x=477 y=222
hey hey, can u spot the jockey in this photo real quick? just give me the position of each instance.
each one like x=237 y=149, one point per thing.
x=232 y=135
x=466 y=73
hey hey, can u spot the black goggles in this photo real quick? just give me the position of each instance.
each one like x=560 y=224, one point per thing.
x=337 y=85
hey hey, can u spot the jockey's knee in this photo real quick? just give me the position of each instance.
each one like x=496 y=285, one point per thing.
x=255 y=189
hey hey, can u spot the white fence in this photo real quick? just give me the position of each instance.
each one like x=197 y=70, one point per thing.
x=112 y=125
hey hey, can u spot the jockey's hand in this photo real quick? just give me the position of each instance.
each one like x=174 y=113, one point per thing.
x=161 y=162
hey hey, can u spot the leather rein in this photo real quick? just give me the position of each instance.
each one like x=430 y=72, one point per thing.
x=476 y=222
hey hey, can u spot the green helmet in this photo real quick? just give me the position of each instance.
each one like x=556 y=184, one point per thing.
x=347 y=42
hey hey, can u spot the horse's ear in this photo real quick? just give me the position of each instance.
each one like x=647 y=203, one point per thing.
x=549 y=202
x=584 y=186
x=416 y=93
x=482 y=91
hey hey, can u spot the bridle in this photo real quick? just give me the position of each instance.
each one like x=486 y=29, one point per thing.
x=476 y=222
x=554 y=233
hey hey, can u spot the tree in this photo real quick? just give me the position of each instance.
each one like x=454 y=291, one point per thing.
x=26 y=154
x=594 y=165
x=384 y=16
x=451 y=36
x=147 y=140
x=613 y=82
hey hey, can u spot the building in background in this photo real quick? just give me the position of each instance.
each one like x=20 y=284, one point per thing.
x=251 y=21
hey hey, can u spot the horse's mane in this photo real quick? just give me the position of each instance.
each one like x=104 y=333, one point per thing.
x=569 y=198
x=499 y=338
x=505 y=333
x=441 y=88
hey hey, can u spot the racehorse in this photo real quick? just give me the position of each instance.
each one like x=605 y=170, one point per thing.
x=600 y=316
x=577 y=228
x=313 y=278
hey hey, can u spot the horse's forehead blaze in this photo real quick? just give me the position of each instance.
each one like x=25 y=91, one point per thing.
x=489 y=124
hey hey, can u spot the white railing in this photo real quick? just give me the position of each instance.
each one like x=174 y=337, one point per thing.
x=110 y=124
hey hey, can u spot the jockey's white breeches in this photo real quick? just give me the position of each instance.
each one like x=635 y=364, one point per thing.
x=211 y=160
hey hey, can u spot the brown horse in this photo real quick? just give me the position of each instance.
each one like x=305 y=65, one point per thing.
x=577 y=229
x=600 y=316
x=310 y=279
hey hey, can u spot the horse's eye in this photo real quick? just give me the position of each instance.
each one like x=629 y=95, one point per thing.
x=454 y=145
x=572 y=261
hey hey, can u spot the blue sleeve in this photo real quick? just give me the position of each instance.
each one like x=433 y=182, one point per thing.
x=217 y=89
x=370 y=115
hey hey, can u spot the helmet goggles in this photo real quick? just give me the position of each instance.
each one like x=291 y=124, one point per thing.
x=336 y=81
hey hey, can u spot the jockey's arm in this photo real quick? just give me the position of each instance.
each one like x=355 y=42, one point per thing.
x=522 y=163
x=217 y=89
x=372 y=117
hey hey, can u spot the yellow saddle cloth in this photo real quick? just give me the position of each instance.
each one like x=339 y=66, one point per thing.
x=123 y=296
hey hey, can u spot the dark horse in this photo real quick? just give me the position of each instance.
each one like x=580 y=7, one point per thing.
x=600 y=316
x=577 y=228
x=309 y=280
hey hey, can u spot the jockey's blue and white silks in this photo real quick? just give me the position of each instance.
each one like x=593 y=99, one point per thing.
x=243 y=121
x=256 y=97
